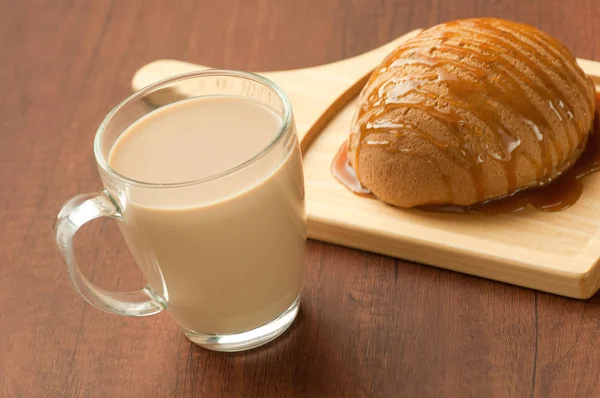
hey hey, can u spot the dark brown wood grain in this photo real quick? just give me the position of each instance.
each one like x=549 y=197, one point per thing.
x=369 y=325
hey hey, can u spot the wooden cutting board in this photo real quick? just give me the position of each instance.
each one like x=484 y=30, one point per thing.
x=554 y=252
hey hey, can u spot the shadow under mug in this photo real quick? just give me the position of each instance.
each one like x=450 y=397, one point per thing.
x=223 y=254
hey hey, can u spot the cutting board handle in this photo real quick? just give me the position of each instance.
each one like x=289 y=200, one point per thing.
x=348 y=69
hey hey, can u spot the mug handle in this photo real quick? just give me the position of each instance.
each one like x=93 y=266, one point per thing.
x=74 y=214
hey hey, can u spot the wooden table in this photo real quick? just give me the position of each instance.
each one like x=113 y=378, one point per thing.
x=369 y=325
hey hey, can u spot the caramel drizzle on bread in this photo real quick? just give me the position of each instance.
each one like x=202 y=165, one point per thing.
x=486 y=67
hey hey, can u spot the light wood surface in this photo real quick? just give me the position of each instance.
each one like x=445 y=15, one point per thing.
x=553 y=252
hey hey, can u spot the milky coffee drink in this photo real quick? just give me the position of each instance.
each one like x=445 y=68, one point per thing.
x=230 y=249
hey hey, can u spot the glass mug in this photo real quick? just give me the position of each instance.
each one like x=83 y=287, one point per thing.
x=223 y=254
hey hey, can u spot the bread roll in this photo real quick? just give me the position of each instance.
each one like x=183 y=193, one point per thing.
x=468 y=111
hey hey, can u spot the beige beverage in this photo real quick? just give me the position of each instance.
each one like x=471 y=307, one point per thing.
x=230 y=250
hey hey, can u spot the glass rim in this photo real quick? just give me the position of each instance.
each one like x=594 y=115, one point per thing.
x=281 y=133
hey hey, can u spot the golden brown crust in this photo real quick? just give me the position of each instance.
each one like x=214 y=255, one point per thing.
x=470 y=110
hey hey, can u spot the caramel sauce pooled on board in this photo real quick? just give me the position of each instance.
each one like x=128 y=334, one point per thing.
x=505 y=52
x=557 y=195
x=344 y=173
